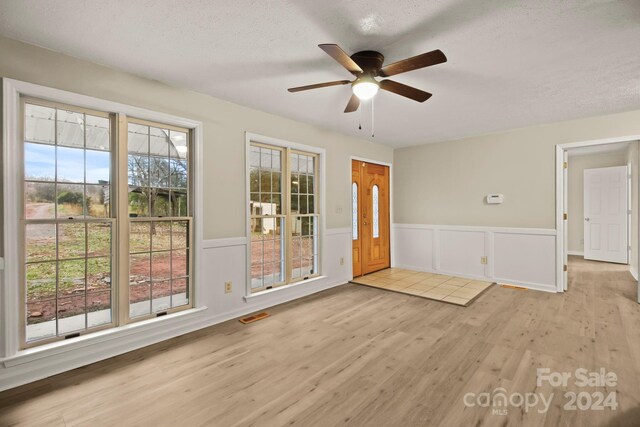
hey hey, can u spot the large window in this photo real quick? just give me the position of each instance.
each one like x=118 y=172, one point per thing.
x=68 y=221
x=159 y=218
x=283 y=188
x=304 y=215
x=72 y=250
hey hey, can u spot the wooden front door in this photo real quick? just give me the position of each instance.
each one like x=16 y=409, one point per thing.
x=370 y=193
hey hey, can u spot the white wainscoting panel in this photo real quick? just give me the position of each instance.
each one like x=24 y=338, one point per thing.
x=525 y=258
x=415 y=249
x=518 y=256
x=460 y=252
x=221 y=260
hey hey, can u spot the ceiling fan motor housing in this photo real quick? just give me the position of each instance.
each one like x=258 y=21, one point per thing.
x=369 y=60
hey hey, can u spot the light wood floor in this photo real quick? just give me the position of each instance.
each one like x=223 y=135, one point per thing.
x=364 y=357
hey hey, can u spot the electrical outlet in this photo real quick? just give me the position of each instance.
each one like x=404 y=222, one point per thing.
x=341 y=260
x=484 y=260
x=228 y=287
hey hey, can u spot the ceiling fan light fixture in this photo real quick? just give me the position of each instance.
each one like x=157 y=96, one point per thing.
x=365 y=88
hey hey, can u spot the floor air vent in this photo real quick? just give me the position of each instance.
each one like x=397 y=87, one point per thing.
x=517 y=288
x=254 y=318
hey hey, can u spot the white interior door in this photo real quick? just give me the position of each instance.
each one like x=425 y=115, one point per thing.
x=605 y=214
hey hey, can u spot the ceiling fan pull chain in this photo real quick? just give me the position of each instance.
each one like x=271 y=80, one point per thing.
x=360 y=123
x=373 y=134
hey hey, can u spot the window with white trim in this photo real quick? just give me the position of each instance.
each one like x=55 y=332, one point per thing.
x=159 y=220
x=101 y=249
x=284 y=215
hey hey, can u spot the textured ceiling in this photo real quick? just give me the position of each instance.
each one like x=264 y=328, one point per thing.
x=511 y=63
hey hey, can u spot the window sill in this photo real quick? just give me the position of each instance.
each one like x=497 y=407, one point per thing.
x=76 y=344
x=257 y=295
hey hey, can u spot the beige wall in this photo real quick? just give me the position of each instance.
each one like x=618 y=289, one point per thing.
x=575 y=194
x=445 y=183
x=224 y=127
x=633 y=159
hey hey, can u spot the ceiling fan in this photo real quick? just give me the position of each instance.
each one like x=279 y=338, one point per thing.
x=367 y=65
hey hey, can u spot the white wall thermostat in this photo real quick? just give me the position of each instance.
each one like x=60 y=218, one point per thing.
x=494 y=199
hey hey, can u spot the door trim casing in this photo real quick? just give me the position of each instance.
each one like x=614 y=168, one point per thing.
x=561 y=245
x=391 y=231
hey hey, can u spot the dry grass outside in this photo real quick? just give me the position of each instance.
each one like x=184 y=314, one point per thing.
x=61 y=283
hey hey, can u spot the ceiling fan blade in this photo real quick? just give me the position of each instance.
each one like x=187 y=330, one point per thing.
x=404 y=90
x=354 y=103
x=318 y=85
x=334 y=51
x=416 y=62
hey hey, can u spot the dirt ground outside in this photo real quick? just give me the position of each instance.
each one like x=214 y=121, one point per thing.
x=266 y=255
x=61 y=284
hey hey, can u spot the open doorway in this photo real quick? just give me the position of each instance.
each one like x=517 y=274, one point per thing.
x=599 y=193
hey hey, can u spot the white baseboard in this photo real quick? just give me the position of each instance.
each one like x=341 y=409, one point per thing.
x=634 y=272
x=576 y=253
x=529 y=285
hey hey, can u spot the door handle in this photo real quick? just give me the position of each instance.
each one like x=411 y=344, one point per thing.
x=587 y=219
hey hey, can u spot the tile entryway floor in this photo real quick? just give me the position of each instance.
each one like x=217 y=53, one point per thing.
x=454 y=290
